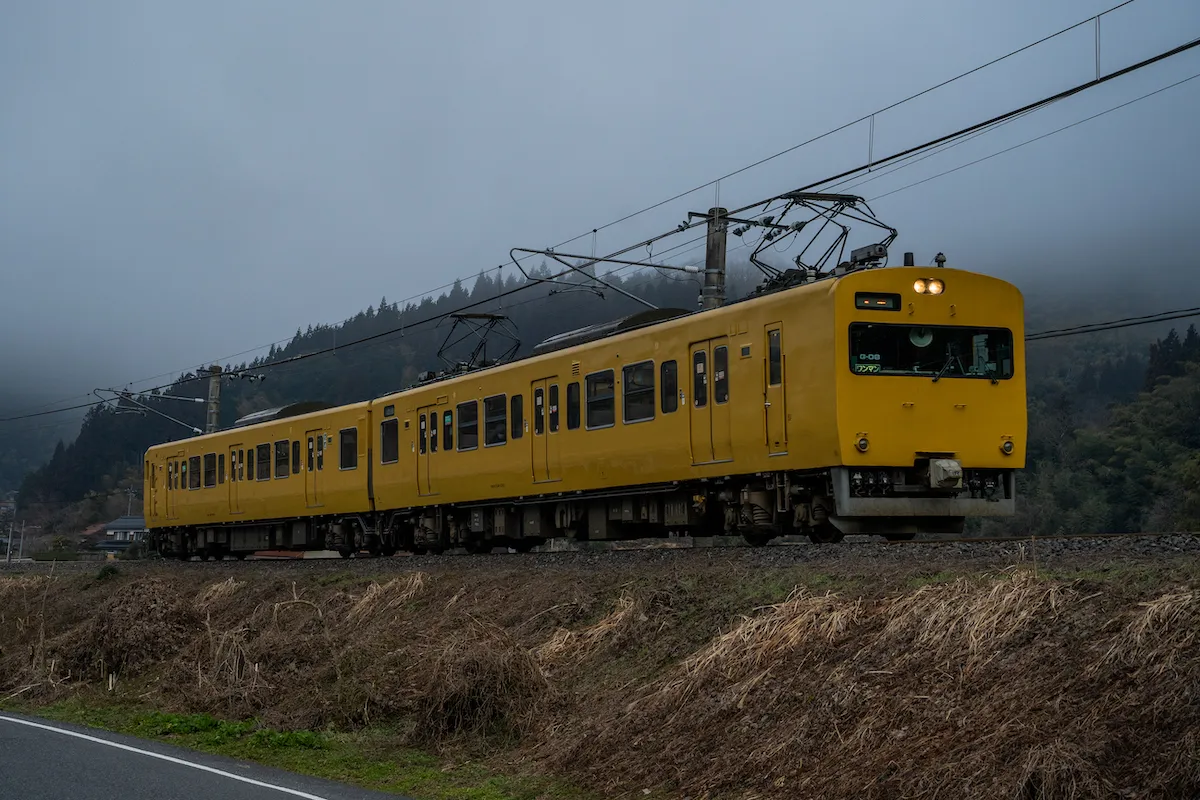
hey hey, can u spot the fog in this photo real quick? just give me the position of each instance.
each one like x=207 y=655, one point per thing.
x=186 y=182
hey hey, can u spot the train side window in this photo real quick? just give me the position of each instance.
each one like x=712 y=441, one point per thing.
x=468 y=425
x=517 y=414
x=389 y=441
x=210 y=470
x=448 y=430
x=295 y=456
x=221 y=468
x=422 y=435
x=601 y=398
x=554 y=408
x=637 y=386
x=311 y=453
x=700 y=378
x=194 y=472
x=495 y=420
x=250 y=464
x=263 y=456
x=320 y=451
x=348 y=448
x=572 y=405
x=539 y=411
x=774 y=359
x=433 y=428
x=669 y=379
x=721 y=374
x=282 y=448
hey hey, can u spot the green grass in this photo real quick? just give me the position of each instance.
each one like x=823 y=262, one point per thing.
x=372 y=759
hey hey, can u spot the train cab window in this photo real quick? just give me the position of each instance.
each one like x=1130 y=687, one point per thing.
x=320 y=451
x=774 y=359
x=348 y=448
x=389 y=441
x=668 y=375
x=210 y=470
x=939 y=351
x=539 y=411
x=637 y=386
x=572 y=405
x=422 y=435
x=700 y=378
x=295 y=456
x=495 y=420
x=282 y=449
x=721 y=374
x=517 y=407
x=468 y=425
x=263 y=457
x=448 y=430
x=193 y=468
x=553 y=408
x=601 y=398
x=221 y=468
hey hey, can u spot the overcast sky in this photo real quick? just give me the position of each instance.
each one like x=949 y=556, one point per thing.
x=184 y=181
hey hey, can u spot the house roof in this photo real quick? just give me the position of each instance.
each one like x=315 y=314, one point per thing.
x=126 y=524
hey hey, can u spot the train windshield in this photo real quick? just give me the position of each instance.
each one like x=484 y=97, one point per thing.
x=931 y=351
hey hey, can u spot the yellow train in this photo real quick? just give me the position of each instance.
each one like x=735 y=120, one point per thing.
x=882 y=401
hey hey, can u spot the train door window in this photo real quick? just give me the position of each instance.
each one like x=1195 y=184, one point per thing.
x=495 y=420
x=774 y=359
x=572 y=405
x=433 y=431
x=554 y=408
x=389 y=441
x=517 y=407
x=721 y=374
x=539 y=411
x=700 y=378
x=468 y=425
x=311 y=453
x=242 y=465
x=221 y=468
x=170 y=475
x=668 y=375
x=282 y=450
x=194 y=472
x=348 y=448
x=423 y=435
x=295 y=456
x=601 y=411
x=448 y=430
x=263 y=457
x=210 y=470
x=233 y=466
x=637 y=387
x=320 y=452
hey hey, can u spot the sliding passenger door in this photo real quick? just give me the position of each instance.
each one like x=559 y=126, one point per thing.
x=315 y=442
x=544 y=441
x=774 y=394
x=234 y=482
x=709 y=408
x=427 y=444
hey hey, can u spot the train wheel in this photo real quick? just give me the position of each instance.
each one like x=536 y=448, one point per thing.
x=756 y=538
x=825 y=534
x=344 y=552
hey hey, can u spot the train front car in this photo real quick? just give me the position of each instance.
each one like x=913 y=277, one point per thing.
x=931 y=406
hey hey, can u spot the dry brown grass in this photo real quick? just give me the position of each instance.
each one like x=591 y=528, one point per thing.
x=566 y=646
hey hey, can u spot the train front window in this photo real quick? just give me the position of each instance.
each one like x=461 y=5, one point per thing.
x=931 y=351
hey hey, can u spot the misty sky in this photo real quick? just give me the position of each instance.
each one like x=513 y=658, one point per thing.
x=180 y=182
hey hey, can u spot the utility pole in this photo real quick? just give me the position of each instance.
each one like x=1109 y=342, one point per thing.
x=129 y=505
x=214 y=400
x=8 y=556
x=713 y=294
x=21 y=546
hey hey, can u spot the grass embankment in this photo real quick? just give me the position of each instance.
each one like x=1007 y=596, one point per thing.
x=694 y=675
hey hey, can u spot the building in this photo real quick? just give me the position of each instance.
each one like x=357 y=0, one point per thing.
x=114 y=537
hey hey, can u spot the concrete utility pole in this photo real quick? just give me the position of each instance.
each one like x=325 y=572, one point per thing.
x=21 y=546
x=8 y=555
x=713 y=295
x=214 y=400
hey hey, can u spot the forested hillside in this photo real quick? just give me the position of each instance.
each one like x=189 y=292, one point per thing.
x=1114 y=437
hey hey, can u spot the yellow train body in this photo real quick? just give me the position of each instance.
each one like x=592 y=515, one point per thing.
x=847 y=405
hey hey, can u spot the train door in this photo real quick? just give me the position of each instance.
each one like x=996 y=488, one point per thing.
x=178 y=484
x=233 y=483
x=315 y=464
x=546 y=422
x=711 y=441
x=427 y=444
x=774 y=395
x=151 y=495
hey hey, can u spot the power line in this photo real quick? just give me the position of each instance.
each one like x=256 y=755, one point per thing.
x=1127 y=322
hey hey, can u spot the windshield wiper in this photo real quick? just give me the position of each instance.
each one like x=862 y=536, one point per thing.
x=950 y=357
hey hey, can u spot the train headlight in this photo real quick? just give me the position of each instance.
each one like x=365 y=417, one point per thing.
x=919 y=286
x=862 y=444
x=935 y=286
x=1007 y=448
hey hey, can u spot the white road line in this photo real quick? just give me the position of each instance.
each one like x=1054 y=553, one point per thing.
x=172 y=759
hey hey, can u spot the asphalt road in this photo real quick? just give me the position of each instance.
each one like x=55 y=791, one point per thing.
x=54 y=761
